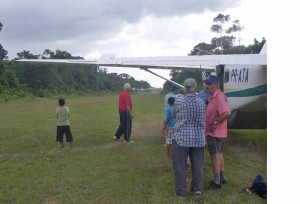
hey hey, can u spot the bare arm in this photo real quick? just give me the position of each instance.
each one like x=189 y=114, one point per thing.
x=223 y=117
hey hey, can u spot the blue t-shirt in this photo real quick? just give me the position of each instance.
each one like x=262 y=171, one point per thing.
x=168 y=114
x=204 y=96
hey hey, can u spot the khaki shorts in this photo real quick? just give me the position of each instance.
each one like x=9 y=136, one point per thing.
x=215 y=144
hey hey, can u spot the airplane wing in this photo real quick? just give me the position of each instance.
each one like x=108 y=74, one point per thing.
x=205 y=62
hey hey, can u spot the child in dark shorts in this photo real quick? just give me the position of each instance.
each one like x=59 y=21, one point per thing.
x=63 y=124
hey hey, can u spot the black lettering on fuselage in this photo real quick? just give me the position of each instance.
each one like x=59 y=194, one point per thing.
x=239 y=75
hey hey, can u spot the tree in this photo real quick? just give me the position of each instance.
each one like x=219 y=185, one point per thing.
x=227 y=47
x=236 y=28
x=44 y=79
x=218 y=28
x=3 y=52
x=256 y=47
x=48 y=54
x=203 y=49
x=25 y=54
x=227 y=43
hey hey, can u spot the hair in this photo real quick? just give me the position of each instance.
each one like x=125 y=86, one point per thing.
x=182 y=91
x=190 y=85
x=61 y=101
x=171 y=100
x=190 y=89
x=127 y=86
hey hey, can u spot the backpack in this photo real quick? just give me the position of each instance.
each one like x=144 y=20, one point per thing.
x=259 y=186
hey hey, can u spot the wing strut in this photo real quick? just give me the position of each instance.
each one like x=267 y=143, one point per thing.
x=163 y=77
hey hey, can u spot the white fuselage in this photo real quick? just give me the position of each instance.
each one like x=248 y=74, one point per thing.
x=246 y=86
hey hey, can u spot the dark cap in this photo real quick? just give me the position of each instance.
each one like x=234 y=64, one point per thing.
x=211 y=79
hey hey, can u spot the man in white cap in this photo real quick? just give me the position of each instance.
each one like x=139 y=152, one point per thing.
x=188 y=139
x=126 y=115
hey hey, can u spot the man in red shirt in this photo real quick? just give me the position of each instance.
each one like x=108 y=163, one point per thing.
x=125 y=111
x=216 y=115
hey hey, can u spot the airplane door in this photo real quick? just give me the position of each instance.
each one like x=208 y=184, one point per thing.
x=220 y=74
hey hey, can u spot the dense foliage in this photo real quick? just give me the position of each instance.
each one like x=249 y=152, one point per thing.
x=44 y=80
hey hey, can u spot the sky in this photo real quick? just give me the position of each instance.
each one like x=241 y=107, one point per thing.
x=128 y=28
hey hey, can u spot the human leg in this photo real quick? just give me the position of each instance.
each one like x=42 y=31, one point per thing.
x=59 y=135
x=168 y=150
x=169 y=133
x=179 y=157
x=215 y=159
x=128 y=126
x=222 y=174
x=214 y=150
x=69 y=136
x=122 y=125
x=221 y=144
x=196 y=155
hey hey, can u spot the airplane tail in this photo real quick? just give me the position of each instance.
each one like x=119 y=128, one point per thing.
x=263 y=50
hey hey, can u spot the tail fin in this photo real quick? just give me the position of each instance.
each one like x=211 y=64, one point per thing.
x=264 y=49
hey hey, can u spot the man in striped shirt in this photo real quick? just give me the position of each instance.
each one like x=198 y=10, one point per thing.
x=189 y=139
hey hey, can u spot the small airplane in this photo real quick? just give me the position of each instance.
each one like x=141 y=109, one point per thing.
x=243 y=78
x=141 y=91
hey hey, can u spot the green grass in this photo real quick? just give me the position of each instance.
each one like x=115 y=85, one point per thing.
x=34 y=169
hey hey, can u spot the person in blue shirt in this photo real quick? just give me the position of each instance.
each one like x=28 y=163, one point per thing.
x=204 y=95
x=169 y=124
x=171 y=93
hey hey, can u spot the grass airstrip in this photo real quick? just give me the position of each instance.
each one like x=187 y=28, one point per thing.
x=34 y=169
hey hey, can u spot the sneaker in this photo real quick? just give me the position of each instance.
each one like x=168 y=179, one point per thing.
x=197 y=194
x=115 y=138
x=224 y=181
x=213 y=185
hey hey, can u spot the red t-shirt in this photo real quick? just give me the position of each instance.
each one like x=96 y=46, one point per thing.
x=124 y=100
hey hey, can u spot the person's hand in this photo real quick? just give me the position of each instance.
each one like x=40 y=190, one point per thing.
x=213 y=126
x=132 y=116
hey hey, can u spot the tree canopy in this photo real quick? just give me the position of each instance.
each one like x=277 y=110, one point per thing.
x=3 y=52
x=223 y=43
x=47 y=79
